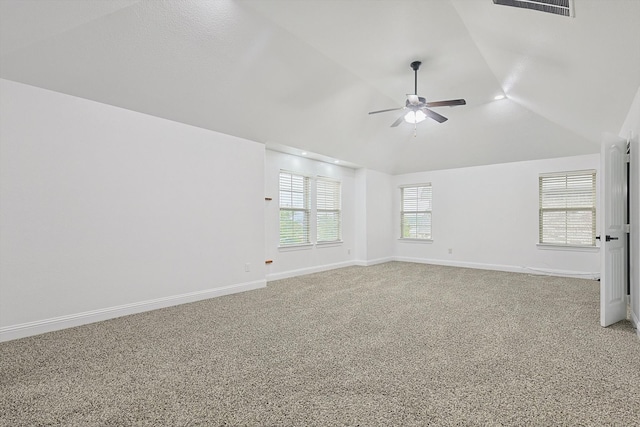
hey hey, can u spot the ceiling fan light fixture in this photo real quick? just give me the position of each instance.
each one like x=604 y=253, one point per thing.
x=414 y=117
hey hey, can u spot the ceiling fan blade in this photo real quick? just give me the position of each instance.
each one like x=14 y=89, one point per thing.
x=397 y=122
x=435 y=116
x=384 y=111
x=413 y=99
x=450 y=103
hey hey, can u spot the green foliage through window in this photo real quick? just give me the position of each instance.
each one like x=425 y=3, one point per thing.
x=294 y=209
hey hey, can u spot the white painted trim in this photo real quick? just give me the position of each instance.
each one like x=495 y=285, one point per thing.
x=370 y=262
x=636 y=323
x=301 y=247
x=508 y=268
x=309 y=270
x=22 y=330
x=409 y=240
x=479 y=266
x=329 y=244
x=550 y=247
x=326 y=267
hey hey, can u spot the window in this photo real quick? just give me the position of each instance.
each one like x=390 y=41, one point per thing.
x=294 y=209
x=568 y=208
x=328 y=213
x=415 y=217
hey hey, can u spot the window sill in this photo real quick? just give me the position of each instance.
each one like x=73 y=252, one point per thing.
x=329 y=244
x=302 y=247
x=405 y=240
x=307 y=246
x=550 y=247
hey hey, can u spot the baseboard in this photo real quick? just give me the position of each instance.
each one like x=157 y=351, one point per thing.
x=499 y=267
x=370 y=262
x=463 y=264
x=636 y=323
x=23 y=330
x=326 y=267
x=309 y=270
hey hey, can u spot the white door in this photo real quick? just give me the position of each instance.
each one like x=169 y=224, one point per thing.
x=613 y=281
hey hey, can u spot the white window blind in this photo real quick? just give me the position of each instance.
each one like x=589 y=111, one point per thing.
x=568 y=208
x=415 y=216
x=328 y=214
x=294 y=209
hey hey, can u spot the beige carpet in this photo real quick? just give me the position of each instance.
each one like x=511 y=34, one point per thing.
x=393 y=344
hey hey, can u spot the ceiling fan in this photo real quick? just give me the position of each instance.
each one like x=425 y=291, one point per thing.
x=419 y=107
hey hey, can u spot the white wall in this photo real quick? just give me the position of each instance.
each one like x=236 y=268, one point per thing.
x=294 y=261
x=361 y=216
x=378 y=217
x=631 y=129
x=107 y=211
x=488 y=216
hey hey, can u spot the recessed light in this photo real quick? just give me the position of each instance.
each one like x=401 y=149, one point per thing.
x=304 y=153
x=336 y=161
x=498 y=97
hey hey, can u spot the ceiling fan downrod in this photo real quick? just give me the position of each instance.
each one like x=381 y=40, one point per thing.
x=415 y=66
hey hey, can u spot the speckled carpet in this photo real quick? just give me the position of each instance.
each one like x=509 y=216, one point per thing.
x=392 y=344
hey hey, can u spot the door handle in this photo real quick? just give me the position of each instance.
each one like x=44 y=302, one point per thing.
x=609 y=238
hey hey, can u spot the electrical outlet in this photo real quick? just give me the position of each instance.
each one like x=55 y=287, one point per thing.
x=247 y=267
x=348 y=251
x=450 y=251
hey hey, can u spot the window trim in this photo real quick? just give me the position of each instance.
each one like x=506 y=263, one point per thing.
x=312 y=209
x=338 y=210
x=402 y=212
x=306 y=209
x=555 y=247
x=593 y=210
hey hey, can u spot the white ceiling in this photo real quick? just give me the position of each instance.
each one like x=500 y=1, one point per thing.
x=304 y=73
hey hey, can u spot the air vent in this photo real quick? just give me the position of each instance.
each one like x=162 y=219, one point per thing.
x=557 y=7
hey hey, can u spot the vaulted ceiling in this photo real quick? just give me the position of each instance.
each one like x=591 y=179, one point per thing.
x=302 y=74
